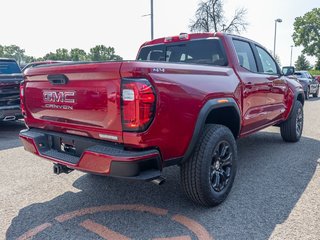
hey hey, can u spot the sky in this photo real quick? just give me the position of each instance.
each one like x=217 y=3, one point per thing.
x=42 y=26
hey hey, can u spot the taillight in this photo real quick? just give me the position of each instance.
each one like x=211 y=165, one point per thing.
x=22 y=105
x=138 y=102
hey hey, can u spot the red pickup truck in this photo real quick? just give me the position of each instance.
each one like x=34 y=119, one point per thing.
x=184 y=101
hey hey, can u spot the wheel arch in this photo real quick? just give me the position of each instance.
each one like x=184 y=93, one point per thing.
x=300 y=97
x=224 y=111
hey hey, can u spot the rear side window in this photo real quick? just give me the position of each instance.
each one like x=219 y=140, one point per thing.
x=9 y=67
x=269 y=66
x=206 y=51
x=245 y=55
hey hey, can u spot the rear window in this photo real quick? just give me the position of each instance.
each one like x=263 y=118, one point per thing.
x=206 y=51
x=9 y=67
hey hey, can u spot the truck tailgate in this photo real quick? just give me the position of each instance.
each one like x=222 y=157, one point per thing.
x=75 y=98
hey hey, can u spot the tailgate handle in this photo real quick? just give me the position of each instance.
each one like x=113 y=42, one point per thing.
x=58 y=79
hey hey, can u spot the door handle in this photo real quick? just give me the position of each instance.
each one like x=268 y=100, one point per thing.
x=58 y=79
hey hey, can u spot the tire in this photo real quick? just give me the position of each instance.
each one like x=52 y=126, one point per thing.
x=291 y=129
x=207 y=177
x=307 y=93
x=316 y=94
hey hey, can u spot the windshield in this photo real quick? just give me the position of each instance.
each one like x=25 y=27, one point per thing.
x=9 y=67
x=205 y=51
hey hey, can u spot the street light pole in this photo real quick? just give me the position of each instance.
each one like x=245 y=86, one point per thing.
x=151 y=19
x=278 y=20
x=291 y=56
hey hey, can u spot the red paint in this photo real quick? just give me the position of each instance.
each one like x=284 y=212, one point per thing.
x=181 y=90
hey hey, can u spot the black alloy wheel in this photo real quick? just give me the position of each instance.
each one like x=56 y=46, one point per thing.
x=299 y=122
x=221 y=165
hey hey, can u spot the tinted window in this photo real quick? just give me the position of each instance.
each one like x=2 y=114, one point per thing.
x=9 y=67
x=245 y=55
x=298 y=74
x=208 y=51
x=303 y=75
x=154 y=53
x=269 y=66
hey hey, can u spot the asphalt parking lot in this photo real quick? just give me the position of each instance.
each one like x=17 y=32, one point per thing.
x=276 y=195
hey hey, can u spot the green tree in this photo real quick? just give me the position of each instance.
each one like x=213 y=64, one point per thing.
x=210 y=17
x=317 y=66
x=1 y=51
x=13 y=51
x=302 y=63
x=50 y=56
x=307 y=33
x=77 y=54
x=61 y=54
x=103 y=53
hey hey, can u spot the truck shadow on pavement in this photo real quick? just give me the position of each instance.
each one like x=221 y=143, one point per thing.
x=9 y=134
x=314 y=99
x=272 y=176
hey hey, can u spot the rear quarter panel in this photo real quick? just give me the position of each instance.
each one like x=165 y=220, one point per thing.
x=182 y=90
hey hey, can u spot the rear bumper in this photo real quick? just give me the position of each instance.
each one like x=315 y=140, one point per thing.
x=90 y=155
x=8 y=113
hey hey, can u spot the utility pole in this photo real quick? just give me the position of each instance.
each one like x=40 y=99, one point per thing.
x=291 y=56
x=151 y=19
x=278 y=20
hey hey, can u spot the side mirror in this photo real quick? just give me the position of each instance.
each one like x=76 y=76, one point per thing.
x=287 y=71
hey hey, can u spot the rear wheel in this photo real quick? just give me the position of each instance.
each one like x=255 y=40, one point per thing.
x=207 y=177
x=291 y=130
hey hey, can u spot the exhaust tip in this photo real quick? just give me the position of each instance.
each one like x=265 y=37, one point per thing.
x=159 y=181
x=9 y=118
x=58 y=169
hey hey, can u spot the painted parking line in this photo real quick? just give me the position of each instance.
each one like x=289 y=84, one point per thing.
x=193 y=226
x=108 y=208
x=174 y=238
x=104 y=232
x=34 y=231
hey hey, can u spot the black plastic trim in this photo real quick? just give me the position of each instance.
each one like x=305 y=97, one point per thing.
x=144 y=169
x=295 y=98
x=204 y=112
x=58 y=79
x=172 y=162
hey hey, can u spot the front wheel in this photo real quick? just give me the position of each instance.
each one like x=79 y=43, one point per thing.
x=316 y=94
x=307 y=93
x=291 y=129
x=207 y=177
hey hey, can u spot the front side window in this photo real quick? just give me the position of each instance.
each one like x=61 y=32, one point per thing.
x=269 y=66
x=205 y=52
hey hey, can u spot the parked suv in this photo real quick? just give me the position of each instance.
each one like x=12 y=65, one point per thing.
x=10 y=78
x=310 y=84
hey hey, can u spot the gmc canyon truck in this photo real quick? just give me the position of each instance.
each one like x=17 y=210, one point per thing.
x=184 y=101
x=10 y=78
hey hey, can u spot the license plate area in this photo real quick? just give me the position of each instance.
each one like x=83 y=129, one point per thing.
x=68 y=146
